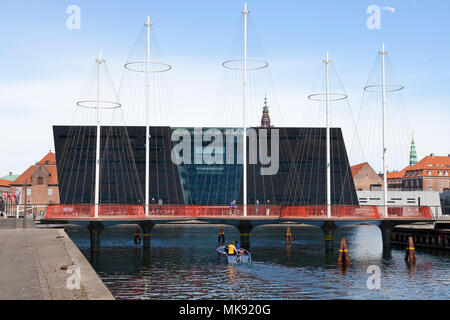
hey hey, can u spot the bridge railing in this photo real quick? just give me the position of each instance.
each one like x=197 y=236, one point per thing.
x=408 y=212
x=337 y=211
x=198 y=211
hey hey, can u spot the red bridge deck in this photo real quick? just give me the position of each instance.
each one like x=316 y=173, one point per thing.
x=273 y=212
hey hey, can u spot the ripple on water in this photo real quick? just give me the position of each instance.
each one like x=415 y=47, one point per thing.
x=182 y=264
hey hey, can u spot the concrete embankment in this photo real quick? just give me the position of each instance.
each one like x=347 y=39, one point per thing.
x=43 y=264
x=436 y=236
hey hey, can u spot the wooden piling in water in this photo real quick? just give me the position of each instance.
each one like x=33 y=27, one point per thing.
x=410 y=254
x=343 y=257
x=137 y=236
x=221 y=239
x=288 y=236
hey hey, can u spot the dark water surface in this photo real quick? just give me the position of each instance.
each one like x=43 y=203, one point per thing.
x=182 y=263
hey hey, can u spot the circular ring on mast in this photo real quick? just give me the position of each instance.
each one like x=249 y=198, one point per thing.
x=333 y=96
x=136 y=66
x=378 y=88
x=262 y=64
x=102 y=104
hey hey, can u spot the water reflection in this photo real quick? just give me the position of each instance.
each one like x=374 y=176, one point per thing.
x=182 y=264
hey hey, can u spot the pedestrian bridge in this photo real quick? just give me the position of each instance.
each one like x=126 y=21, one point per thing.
x=259 y=212
x=257 y=215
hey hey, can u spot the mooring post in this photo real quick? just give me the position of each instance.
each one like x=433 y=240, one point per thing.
x=146 y=227
x=343 y=257
x=410 y=255
x=221 y=239
x=329 y=230
x=137 y=235
x=288 y=236
x=95 y=229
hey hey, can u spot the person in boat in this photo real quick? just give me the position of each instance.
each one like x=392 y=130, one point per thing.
x=231 y=249
x=239 y=250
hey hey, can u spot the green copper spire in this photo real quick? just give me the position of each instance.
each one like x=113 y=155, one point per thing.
x=412 y=153
x=266 y=107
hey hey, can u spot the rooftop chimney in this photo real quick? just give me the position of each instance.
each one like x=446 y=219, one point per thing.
x=10 y=173
x=432 y=155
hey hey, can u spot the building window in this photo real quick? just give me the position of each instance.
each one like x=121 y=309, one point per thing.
x=429 y=173
x=440 y=182
x=40 y=180
x=430 y=183
x=28 y=191
x=50 y=191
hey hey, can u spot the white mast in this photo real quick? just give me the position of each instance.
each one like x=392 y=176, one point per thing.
x=328 y=137
x=99 y=60
x=147 y=121
x=244 y=103
x=383 y=93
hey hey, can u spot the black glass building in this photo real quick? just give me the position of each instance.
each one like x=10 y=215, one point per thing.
x=300 y=177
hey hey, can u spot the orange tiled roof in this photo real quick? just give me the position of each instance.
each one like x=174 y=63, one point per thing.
x=429 y=163
x=5 y=183
x=356 y=168
x=49 y=158
x=397 y=174
x=441 y=162
x=53 y=179
x=48 y=162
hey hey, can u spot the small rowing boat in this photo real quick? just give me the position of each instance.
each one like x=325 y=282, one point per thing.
x=241 y=258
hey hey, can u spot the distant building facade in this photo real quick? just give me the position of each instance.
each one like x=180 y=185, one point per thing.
x=4 y=194
x=38 y=184
x=365 y=177
x=432 y=173
x=395 y=180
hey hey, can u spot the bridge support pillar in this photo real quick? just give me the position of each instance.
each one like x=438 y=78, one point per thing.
x=386 y=228
x=329 y=230
x=146 y=227
x=95 y=229
x=244 y=234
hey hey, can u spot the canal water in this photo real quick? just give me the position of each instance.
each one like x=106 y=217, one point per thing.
x=182 y=263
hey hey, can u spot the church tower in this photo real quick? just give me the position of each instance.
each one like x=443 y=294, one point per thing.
x=412 y=153
x=265 y=119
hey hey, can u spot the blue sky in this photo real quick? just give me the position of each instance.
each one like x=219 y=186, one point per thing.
x=44 y=65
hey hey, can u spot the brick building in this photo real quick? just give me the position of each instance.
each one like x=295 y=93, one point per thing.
x=41 y=184
x=395 y=179
x=366 y=178
x=432 y=173
x=4 y=187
